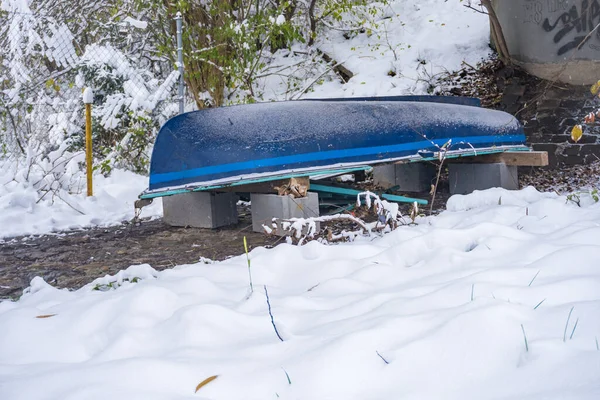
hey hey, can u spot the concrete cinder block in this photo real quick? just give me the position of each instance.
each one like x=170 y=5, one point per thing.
x=415 y=177
x=200 y=209
x=265 y=207
x=412 y=177
x=465 y=178
x=384 y=175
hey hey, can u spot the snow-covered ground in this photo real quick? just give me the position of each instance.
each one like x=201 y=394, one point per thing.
x=496 y=298
x=62 y=205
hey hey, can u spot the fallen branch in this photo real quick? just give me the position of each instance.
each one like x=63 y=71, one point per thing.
x=339 y=68
x=386 y=214
x=307 y=87
x=496 y=30
x=67 y=203
x=296 y=225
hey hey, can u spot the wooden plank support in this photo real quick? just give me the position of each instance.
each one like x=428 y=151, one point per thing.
x=270 y=187
x=512 y=158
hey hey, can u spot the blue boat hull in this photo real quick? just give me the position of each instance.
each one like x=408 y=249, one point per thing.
x=223 y=146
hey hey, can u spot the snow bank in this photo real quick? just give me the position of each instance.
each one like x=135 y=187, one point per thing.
x=485 y=301
x=499 y=196
x=62 y=205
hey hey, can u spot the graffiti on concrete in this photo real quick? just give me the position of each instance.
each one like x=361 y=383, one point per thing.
x=557 y=5
x=533 y=12
x=582 y=18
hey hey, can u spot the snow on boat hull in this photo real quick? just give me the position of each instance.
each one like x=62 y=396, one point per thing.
x=218 y=147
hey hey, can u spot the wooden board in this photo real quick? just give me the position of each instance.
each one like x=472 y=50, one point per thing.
x=270 y=187
x=514 y=158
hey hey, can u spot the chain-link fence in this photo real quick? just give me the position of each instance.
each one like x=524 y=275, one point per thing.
x=44 y=66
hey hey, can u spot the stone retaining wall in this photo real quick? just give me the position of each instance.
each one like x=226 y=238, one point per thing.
x=548 y=113
x=554 y=40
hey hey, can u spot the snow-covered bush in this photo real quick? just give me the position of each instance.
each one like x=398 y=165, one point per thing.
x=131 y=103
x=226 y=44
x=46 y=64
x=38 y=54
x=230 y=48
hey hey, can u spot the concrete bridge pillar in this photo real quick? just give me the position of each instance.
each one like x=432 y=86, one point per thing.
x=553 y=39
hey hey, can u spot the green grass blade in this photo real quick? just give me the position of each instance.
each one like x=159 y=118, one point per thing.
x=525 y=338
x=567 y=325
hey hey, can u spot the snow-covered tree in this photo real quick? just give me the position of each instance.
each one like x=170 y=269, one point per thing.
x=125 y=50
x=51 y=52
x=229 y=44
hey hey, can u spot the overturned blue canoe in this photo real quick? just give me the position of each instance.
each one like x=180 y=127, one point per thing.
x=218 y=147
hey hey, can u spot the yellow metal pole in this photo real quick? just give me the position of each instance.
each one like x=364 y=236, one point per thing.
x=88 y=147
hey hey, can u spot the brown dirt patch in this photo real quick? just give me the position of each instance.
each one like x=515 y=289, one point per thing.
x=72 y=259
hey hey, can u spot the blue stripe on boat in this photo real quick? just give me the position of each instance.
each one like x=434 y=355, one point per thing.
x=327 y=155
x=465 y=101
x=262 y=140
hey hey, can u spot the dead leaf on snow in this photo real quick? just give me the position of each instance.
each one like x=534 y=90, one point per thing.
x=205 y=382
x=45 y=316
